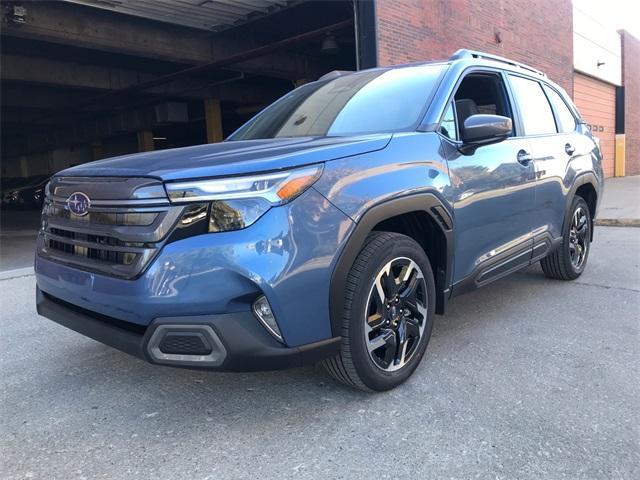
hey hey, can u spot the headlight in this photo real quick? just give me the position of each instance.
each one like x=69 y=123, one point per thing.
x=276 y=188
x=236 y=214
x=237 y=202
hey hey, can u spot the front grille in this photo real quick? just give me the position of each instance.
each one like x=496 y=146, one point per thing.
x=94 y=247
x=116 y=237
x=104 y=218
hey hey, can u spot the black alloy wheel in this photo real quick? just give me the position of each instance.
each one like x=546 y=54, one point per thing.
x=396 y=314
x=388 y=314
x=578 y=239
x=568 y=261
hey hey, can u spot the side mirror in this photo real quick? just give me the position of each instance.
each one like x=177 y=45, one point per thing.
x=483 y=129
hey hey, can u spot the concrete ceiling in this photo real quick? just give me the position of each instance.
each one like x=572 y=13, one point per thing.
x=210 y=15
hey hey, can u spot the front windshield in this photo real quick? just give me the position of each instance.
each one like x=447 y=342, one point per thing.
x=364 y=102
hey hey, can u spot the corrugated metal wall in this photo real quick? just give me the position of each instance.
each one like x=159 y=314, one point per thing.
x=596 y=101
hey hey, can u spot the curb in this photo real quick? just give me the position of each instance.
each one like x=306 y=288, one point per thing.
x=618 y=222
x=17 y=273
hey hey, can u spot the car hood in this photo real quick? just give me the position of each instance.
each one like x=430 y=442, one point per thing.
x=230 y=158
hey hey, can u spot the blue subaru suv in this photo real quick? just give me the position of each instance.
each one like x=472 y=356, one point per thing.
x=329 y=228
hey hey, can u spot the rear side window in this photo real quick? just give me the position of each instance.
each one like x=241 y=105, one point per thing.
x=565 y=120
x=535 y=110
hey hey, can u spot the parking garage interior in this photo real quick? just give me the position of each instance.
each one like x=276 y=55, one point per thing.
x=83 y=80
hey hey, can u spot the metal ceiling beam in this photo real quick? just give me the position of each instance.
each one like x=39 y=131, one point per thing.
x=89 y=129
x=205 y=14
x=130 y=83
x=42 y=73
x=15 y=95
x=230 y=60
x=96 y=78
x=89 y=28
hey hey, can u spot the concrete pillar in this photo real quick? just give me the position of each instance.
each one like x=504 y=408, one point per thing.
x=145 y=141
x=213 y=117
x=619 y=170
x=24 y=166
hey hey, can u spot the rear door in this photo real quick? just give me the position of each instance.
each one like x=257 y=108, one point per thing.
x=554 y=180
x=550 y=149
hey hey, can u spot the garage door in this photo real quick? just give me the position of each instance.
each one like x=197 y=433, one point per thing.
x=596 y=101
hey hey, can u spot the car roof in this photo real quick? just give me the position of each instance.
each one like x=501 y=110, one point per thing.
x=465 y=58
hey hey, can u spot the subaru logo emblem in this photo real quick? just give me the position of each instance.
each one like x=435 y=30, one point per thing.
x=78 y=203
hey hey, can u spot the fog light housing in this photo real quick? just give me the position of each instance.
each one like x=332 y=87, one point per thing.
x=262 y=311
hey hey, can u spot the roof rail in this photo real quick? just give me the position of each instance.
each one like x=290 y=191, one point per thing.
x=335 y=74
x=464 y=53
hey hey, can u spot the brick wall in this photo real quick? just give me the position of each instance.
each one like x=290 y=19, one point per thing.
x=631 y=82
x=536 y=32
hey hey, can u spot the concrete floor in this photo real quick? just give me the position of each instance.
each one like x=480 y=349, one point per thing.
x=18 y=238
x=527 y=378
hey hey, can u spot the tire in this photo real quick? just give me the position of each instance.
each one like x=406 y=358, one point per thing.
x=570 y=259
x=384 y=339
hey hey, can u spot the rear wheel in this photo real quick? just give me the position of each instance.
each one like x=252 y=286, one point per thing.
x=569 y=261
x=388 y=316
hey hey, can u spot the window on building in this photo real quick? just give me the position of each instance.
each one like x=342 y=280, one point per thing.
x=535 y=110
x=565 y=120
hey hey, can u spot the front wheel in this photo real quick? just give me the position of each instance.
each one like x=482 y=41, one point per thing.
x=570 y=259
x=388 y=315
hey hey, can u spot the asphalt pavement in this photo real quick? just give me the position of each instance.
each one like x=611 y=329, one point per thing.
x=527 y=378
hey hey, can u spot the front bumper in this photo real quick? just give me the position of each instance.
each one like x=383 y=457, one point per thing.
x=237 y=342
x=287 y=255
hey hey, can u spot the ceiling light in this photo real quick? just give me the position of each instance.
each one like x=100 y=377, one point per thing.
x=329 y=45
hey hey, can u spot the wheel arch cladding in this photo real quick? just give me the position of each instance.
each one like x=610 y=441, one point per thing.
x=422 y=217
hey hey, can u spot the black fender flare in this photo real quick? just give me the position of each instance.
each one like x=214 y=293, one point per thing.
x=427 y=202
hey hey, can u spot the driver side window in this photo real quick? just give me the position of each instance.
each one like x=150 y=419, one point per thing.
x=479 y=93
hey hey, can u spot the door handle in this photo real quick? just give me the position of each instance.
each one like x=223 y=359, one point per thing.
x=524 y=157
x=569 y=149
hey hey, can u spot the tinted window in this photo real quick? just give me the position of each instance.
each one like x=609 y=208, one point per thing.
x=537 y=116
x=448 y=124
x=364 y=102
x=565 y=120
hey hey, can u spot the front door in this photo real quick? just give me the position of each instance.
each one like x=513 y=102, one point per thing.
x=493 y=188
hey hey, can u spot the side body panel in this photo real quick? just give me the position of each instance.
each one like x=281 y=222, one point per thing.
x=562 y=163
x=410 y=175
x=557 y=172
x=412 y=163
x=493 y=197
